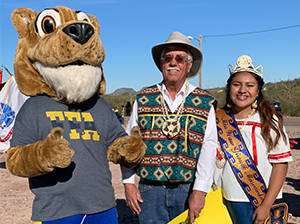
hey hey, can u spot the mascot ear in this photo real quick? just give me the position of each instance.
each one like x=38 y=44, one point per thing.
x=29 y=81
x=21 y=18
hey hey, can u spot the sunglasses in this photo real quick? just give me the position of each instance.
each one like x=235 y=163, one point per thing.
x=179 y=58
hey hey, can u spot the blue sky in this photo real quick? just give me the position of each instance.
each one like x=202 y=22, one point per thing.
x=130 y=28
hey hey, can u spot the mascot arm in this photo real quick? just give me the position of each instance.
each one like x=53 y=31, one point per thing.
x=127 y=151
x=41 y=157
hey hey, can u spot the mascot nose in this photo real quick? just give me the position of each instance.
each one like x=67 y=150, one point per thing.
x=80 y=32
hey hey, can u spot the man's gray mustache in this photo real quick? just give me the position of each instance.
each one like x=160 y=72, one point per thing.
x=172 y=68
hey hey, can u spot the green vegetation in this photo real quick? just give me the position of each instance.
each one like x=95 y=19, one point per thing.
x=117 y=100
x=287 y=93
x=219 y=94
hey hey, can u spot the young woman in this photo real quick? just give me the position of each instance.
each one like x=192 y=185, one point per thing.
x=263 y=135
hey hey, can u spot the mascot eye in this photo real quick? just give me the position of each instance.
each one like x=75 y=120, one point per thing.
x=82 y=16
x=47 y=21
x=48 y=24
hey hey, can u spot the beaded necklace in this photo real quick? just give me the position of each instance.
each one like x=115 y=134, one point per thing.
x=171 y=126
x=246 y=120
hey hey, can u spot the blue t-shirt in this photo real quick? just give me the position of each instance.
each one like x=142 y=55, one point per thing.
x=85 y=186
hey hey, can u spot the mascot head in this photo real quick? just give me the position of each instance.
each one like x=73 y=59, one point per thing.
x=59 y=53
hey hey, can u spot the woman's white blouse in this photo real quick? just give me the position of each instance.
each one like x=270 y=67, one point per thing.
x=258 y=149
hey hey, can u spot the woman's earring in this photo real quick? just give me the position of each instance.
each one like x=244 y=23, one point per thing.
x=254 y=105
x=229 y=104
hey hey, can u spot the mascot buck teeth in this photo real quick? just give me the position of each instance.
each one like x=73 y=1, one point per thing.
x=65 y=133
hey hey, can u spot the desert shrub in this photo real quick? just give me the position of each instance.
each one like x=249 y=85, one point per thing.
x=117 y=100
x=287 y=93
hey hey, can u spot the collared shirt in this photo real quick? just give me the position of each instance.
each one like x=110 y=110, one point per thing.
x=206 y=161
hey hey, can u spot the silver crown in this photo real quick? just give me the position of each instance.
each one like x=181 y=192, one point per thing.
x=244 y=64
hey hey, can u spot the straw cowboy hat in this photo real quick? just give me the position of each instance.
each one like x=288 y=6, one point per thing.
x=179 y=38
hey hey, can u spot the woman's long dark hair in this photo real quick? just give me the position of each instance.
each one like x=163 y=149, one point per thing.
x=266 y=113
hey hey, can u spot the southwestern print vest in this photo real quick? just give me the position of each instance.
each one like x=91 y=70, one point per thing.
x=172 y=159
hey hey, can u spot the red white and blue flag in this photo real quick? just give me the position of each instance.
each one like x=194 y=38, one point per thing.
x=1 y=71
x=11 y=100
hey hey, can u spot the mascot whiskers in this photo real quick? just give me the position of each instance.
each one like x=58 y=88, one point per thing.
x=65 y=133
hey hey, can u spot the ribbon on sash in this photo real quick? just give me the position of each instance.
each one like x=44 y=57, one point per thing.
x=244 y=167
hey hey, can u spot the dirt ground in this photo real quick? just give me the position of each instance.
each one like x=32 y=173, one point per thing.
x=16 y=198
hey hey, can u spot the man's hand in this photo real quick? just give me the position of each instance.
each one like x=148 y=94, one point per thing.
x=196 y=204
x=133 y=196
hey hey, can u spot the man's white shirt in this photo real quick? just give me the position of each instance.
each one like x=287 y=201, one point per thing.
x=206 y=161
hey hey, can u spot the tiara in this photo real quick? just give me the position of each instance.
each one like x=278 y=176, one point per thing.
x=244 y=64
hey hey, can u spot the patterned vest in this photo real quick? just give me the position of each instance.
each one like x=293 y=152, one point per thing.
x=172 y=159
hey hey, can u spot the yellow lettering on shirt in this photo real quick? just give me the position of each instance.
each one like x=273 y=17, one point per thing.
x=78 y=122
x=53 y=115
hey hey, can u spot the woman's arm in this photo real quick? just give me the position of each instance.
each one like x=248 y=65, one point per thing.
x=277 y=178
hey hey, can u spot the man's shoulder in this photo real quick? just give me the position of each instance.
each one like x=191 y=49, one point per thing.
x=201 y=92
x=149 y=89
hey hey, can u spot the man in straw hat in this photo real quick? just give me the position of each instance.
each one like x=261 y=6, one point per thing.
x=177 y=122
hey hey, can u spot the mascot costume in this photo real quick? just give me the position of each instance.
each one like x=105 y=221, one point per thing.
x=65 y=133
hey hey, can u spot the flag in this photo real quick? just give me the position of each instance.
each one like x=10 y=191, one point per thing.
x=1 y=71
x=11 y=100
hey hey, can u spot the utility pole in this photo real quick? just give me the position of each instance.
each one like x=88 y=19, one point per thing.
x=200 y=71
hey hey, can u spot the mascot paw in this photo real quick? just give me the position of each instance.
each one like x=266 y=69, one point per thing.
x=127 y=151
x=41 y=157
x=55 y=151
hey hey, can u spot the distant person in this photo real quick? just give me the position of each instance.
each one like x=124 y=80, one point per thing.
x=128 y=108
x=122 y=111
x=120 y=118
x=263 y=146
x=177 y=122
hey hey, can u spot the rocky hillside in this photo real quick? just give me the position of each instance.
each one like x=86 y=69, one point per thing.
x=124 y=90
